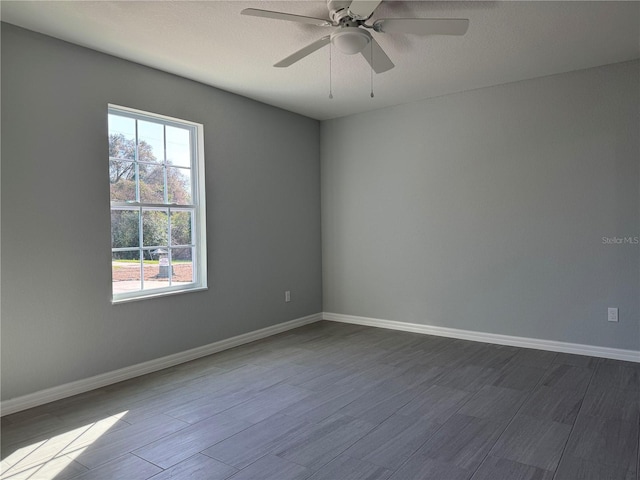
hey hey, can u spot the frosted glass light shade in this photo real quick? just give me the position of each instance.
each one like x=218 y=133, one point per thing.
x=350 y=40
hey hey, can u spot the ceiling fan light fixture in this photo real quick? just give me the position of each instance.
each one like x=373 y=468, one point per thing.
x=351 y=35
x=350 y=40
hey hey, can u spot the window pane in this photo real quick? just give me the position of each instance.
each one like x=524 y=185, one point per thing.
x=155 y=228
x=156 y=268
x=122 y=137
x=181 y=227
x=178 y=148
x=125 y=271
x=182 y=263
x=151 y=183
x=179 y=185
x=125 y=231
x=122 y=175
x=156 y=217
x=150 y=141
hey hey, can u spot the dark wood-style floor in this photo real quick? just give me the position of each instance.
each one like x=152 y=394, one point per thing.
x=336 y=401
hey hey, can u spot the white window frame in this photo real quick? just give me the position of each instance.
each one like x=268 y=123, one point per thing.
x=199 y=227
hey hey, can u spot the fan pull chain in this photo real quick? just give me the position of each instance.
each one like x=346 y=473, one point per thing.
x=371 y=43
x=330 y=85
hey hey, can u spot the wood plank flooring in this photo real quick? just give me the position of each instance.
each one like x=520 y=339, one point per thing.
x=333 y=401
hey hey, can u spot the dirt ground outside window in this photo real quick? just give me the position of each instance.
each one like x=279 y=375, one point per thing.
x=126 y=272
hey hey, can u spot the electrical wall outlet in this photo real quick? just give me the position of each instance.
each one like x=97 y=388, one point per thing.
x=613 y=314
x=287 y=296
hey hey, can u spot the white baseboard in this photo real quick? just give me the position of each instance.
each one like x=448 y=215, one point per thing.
x=80 y=386
x=551 y=345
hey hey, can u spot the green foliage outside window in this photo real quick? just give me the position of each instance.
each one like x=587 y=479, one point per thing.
x=125 y=224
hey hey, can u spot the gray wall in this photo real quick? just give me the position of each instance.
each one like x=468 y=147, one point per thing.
x=263 y=216
x=485 y=210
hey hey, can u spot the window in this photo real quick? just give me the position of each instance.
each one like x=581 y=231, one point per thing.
x=156 y=174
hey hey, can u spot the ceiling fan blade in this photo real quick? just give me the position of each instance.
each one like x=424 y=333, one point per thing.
x=423 y=26
x=303 y=52
x=362 y=9
x=380 y=61
x=254 y=12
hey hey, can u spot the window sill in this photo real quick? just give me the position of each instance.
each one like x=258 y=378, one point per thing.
x=116 y=301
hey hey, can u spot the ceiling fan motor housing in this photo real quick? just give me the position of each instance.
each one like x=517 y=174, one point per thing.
x=339 y=13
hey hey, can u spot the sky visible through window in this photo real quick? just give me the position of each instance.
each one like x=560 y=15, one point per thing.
x=177 y=139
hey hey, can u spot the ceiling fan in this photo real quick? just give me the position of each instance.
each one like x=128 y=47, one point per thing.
x=351 y=35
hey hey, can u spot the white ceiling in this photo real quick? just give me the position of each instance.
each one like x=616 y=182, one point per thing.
x=211 y=42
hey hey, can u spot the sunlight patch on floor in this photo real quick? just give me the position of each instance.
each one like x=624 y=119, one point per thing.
x=45 y=459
